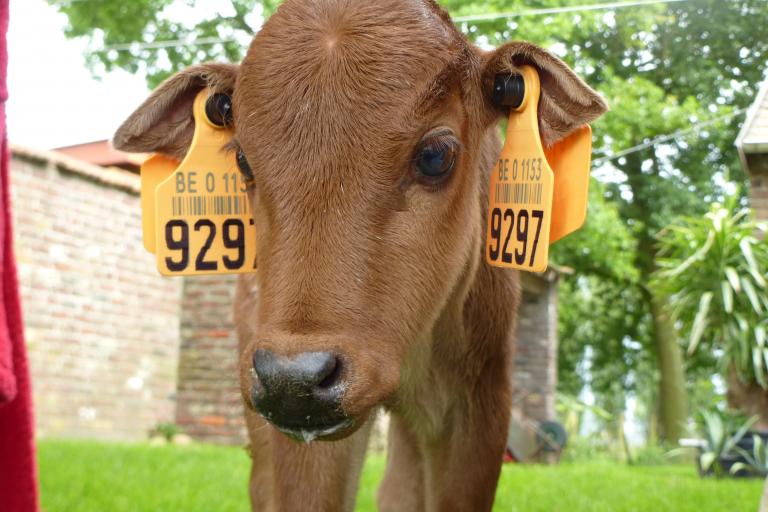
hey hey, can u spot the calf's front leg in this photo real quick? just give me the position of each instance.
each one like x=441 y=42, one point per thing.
x=402 y=489
x=462 y=470
x=320 y=476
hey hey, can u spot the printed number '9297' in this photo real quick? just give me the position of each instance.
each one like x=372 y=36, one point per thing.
x=520 y=225
x=177 y=239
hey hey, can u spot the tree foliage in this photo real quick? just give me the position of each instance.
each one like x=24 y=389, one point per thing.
x=588 y=317
x=715 y=270
x=125 y=35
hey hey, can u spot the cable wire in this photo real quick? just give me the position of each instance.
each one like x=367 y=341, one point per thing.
x=668 y=137
x=204 y=41
x=170 y=43
x=559 y=10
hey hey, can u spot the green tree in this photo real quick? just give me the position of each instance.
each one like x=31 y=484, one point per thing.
x=665 y=93
x=714 y=269
x=146 y=35
x=595 y=314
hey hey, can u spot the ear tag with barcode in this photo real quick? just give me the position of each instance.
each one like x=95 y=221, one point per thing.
x=196 y=215
x=536 y=196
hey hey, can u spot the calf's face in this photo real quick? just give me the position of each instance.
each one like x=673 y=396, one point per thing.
x=359 y=126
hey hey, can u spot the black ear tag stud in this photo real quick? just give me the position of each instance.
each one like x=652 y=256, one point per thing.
x=218 y=110
x=509 y=91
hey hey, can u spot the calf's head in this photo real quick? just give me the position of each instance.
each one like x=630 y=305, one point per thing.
x=363 y=128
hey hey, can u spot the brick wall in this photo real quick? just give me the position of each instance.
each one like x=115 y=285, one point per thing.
x=209 y=403
x=102 y=326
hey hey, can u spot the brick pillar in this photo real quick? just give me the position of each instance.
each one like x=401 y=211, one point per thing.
x=209 y=404
x=534 y=376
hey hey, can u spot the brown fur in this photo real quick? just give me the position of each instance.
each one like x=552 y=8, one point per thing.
x=359 y=258
x=749 y=397
x=164 y=122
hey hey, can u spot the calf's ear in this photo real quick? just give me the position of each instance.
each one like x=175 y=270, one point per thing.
x=164 y=122
x=566 y=103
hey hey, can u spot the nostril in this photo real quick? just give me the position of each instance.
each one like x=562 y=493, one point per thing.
x=334 y=373
x=264 y=364
x=279 y=375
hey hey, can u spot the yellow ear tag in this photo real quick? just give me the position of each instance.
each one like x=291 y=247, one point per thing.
x=154 y=171
x=196 y=215
x=571 y=160
x=527 y=182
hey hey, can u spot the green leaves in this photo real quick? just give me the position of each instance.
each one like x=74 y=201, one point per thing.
x=746 y=284
x=700 y=321
x=754 y=269
x=727 y=296
x=713 y=269
x=757 y=460
x=118 y=32
x=722 y=433
x=733 y=279
x=598 y=306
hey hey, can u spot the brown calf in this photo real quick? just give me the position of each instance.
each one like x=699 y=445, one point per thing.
x=367 y=132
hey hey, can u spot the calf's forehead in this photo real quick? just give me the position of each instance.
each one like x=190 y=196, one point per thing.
x=337 y=75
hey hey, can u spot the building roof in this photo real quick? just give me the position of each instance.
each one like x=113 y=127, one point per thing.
x=102 y=153
x=112 y=176
x=753 y=137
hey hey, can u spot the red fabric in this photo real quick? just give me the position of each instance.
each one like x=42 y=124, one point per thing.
x=7 y=377
x=18 y=474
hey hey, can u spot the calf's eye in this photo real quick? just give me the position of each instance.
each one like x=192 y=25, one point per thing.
x=243 y=165
x=436 y=157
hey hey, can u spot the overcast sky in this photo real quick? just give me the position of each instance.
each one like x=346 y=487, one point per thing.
x=53 y=99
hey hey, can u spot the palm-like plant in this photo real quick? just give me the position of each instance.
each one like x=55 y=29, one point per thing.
x=722 y=434
x=756 y=460
x=714 y=269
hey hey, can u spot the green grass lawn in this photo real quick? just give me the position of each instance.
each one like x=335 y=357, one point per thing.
x=94 y=477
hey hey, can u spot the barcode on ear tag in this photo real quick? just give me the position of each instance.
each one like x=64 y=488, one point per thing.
x=204 y=224
x=520 y=216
